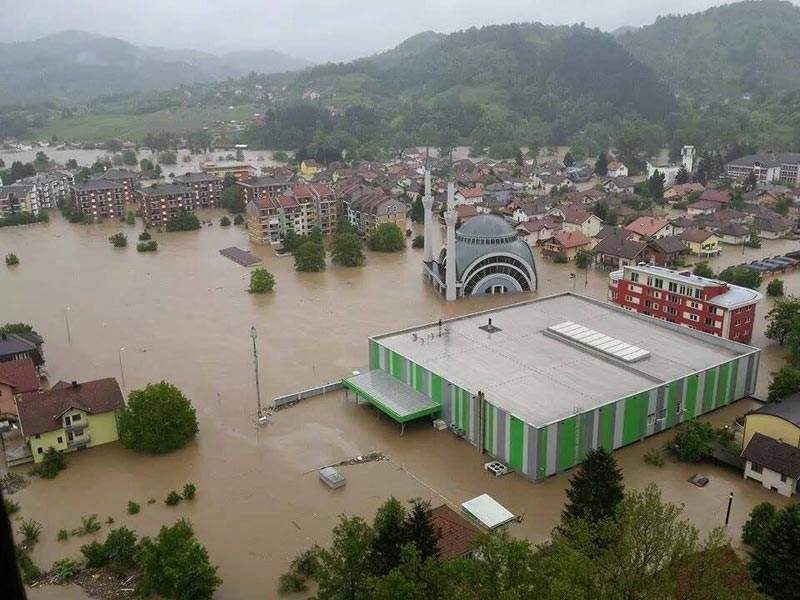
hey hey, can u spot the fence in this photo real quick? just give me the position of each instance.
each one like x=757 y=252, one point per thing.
x=310 y=393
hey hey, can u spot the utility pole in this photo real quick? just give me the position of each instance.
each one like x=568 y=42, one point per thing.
x=66 y=321
x=253 y=335
x=728 y=514
x=121 y=370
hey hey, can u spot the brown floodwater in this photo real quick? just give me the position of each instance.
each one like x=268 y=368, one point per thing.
x=182 y=314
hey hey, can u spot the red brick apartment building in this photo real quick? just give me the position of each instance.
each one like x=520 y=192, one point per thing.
x=100 y=199
x=254 y=188
x=206 y=189
x=161 y=202
x=703 y=304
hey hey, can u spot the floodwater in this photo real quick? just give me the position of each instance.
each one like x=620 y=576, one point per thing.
x=182 y=314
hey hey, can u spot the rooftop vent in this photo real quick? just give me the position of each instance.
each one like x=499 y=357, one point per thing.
x=600 y=342
x=489 y=328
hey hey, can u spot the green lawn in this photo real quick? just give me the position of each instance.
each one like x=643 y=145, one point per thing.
x=101 y=127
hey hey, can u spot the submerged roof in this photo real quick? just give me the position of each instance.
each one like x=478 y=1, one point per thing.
x=542 y=378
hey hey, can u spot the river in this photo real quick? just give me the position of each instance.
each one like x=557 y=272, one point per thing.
x=182 y=314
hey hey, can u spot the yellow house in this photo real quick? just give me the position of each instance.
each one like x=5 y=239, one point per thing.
x=777 y=420
x=701 y=242
x=309 y=168
x=70 y=416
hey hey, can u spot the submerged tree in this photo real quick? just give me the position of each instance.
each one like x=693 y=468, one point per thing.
x=596 y=488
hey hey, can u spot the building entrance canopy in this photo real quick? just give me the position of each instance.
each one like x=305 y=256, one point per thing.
x=397 y=399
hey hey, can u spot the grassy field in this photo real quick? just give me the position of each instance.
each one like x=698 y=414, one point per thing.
x=102 y=127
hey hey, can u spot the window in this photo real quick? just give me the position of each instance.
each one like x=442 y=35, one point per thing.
x=38 y=436
x=76 y=418
x=783 y=478
x=678 y=408
x=60 y=440
x=39 y=451
x=634 y=276
x=755 y=467
x=673 y=287
x=659 y=283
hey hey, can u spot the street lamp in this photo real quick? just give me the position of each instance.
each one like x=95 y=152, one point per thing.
x=66 y=321
x=253 y=336
x=121 y=370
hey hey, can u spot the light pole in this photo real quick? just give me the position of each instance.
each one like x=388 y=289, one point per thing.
x=121 y=370
x=253 y=335
x=728 y=514
x=66 y=321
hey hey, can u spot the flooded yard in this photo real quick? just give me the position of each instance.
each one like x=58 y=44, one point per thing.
x=182 y=314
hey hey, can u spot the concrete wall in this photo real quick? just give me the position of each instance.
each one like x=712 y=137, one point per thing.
x=771 y=480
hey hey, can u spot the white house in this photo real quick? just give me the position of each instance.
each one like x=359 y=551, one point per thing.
x=575 y=218
x=617 y=169
x=670 y=170
x=773 y=463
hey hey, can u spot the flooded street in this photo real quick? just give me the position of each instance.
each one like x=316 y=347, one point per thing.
x=182 y=314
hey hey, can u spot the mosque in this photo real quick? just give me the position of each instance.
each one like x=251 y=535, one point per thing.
x=487 y=253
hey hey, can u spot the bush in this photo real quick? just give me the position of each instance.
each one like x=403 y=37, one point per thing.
x=157 y=419
x=189 y=490
x=185 y=221
x=63 y=534
x=346 y=250
x=110 y=520
x=66 y=569
x=89 y=525
x=12 y=259
x=291 y=582
x=387 y=237
x=693 y=441
x=310 y=257
x=785 y=382
x=130 y=218
x=654 y=457
x=560 y=259
x=10 y=506
x=51 y=464
x=95 y=554
x=30 y=572
x=775 y=288
x=151 y=501
x=741 y=275
x=120 y=549
x=225 y=221
x=144 y=236
x=176 y=565
x=261 y=281
x=150 y=246
x=30 y=531
x=703 y=270
x=118 y=240
x=133 y=508
x=238 y=220
x=418 y=242
x=23 y=219
x=172 y=498
x=758 y=523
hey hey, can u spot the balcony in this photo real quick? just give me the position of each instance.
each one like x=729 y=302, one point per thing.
x=79 y=441
x=76 y=427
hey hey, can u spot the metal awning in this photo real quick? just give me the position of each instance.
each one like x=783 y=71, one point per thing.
x=487 y=511
x=389 y=395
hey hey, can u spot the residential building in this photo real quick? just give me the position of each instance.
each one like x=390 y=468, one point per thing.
x=772 y=226
x=455 y=536
x=580 y=374
x=309 y=168
x=319 y=203
x=707 y=305
x=253 y=188
x=768 y=168
x=100 y=199
x=538 y=231
x=125 y=178
x=239 y=170
x=70 y=416
x=161 y=202
x=664 y=252
x=16 y=199
x=733 y=233
x=701 y=242
x=679 y=191
x=206 y=189
x=617 y=169
x=721 y=197
x=269 y=218
x=50 y=188
x=16 y=377
x=619 y=185
x=773 y=463
x=21 y=346
x=644 y=228
x=576 y=218
x=566 y=244
x=703 y=207
x=469 y=195
x=779 y=420
x=372 y=207
x=619 y=248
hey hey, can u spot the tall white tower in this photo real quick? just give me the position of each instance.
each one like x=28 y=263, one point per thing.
x=428 y=225
x=687 y=157
x=450 y=218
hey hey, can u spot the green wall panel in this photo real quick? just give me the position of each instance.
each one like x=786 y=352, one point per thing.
x=541 y=453
x=465 y=412
x=634 y=421
x=418 y=378
x=374 y=355
x=734 y=375
x=722 y=386
x=605 y=436
x=708 y=390
x=517 y=442
x=584 y=435
x=396 y=367
x=436 y=388
x=690 y=402
x=566 y=444
x=488 y=437
x=672 y=402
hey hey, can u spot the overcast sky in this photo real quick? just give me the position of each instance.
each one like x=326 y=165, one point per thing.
x=318 y=30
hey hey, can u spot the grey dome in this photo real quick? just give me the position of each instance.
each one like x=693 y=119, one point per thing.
x=485 y=235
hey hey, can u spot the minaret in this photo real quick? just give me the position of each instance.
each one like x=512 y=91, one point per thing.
x=450 y=218
x=427 y=229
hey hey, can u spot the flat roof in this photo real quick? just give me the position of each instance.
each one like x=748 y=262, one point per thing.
x=541 y=378
x=391 y=396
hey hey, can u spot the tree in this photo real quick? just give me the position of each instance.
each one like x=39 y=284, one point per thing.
x=71 y=164
x=129 y=158
x=239 y=154
x=261 y=281
x=417 y=212
x=310 y=256
x=16 y=328
x=231 y=199
x=389 y=536
x=569 y=159
x=52 y=463
x=418 y=241
x=784 y=320
x=583 y=259
x=118 y=240
x=12 y=259
x=774 y=565
x=595 y=489
x=702 y=269
x=347 y=250
x=41 y=162
x=146 y=165
x=345 y=567
x=750 y=182
x=157 y=419
x=775 y=288
x=601 y=165
x=167 y=158
x=693 y=441
x=758 y=523
x=387 y=237
x=741 y=275
x=785 y=382
x=419 y=529
x=682 y=176
x=175 y=565
x=225 y=221
x=183 y=221
x=655 y=185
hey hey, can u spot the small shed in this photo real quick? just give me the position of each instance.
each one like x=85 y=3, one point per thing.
x=487 y=511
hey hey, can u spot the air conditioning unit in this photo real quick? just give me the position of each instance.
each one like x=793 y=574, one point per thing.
x=457 y=430
x=497 y=468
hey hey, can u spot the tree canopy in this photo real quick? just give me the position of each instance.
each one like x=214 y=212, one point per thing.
x=387 y=237
x=157 y=419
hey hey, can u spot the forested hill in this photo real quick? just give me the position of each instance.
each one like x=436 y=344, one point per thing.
x=515 y=82
x=746 y=48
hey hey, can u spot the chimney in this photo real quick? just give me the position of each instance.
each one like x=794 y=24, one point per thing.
x=75 y=385
x=490 y=322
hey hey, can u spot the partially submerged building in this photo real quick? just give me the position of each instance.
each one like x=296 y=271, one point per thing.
x=539 y=383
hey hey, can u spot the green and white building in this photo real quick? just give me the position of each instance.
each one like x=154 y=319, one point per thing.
x=537 y=384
